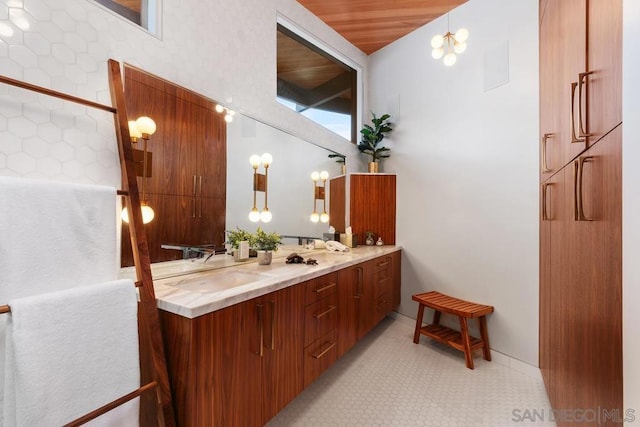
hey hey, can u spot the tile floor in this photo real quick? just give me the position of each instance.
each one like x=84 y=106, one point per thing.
x=386 y=380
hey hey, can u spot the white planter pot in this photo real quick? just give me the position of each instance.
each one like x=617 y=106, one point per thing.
x=264 y=257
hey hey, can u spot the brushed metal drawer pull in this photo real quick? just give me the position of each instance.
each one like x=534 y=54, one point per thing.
x=324 y=313
x=545 y=167
x=194 y=185
x=574 y=138
x=324 y=288
x=576 y=215
x=325 y=351
x=383 y=264
x=545 y=215
x=581 y=79
x=583 y=160
x=200 y=185
x=273 y=324
x=260 y=351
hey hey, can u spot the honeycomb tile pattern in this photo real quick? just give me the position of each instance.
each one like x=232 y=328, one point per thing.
x=387 y=380
x=224 y=49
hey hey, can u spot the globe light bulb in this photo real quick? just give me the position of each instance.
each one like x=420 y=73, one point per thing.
x=324 y=175
x=265 y=215
x=459 y=47
x=449 y=59
x=437 y=41
x=266 y=159
x=219 y=108
x=134 y=133
x=315 y=175
x=228 y=118
x=147 y=213
x=254 y=215
x=437 y=53
x=314 y=217
x=254 y=160
x=461 y=35
x=324 y=217
x=146 y=125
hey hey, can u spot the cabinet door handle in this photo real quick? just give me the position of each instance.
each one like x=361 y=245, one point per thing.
x=199 y=208
x=360 y=283
x=273 y=324
x=582 y=77
x=193 y=208
x=545 y=215
x=200 y=185
x=194 y=186
x=576 y=215
x=383 y=264
x=260 y=313
x=325 y=351
x=574 y=138
x=545 y=167
x=324 y=288
x=581 y=162
x=324 y=313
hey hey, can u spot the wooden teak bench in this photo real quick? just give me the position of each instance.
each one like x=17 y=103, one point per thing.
x=464 y=310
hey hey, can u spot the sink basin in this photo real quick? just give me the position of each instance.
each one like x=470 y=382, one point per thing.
x=218 y=281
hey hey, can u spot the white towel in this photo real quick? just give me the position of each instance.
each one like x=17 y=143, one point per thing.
x=53 y=236
x=70 y=352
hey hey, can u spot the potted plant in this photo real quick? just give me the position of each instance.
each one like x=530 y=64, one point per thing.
x=372 y=135
x=341 y=159
x=234 y=238
x=265 y=244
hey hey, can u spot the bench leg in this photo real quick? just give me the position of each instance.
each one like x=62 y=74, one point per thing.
x=466 y=342
x=436 y=317
x=484 y=335
x=416 y=334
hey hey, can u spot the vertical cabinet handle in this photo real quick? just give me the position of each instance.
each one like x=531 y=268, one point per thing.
x=578 y=169
x=260 y=313
x=576 y=214
x=193 y=190
x=360 y=284
x=582 y=80
x=200 y=185
x=193 y=208
x=574 y=138
x=545 y=215
x=273 y=324
x=199 y=208
x=545 y=166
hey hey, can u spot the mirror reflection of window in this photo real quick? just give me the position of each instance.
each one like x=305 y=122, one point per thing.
x=315 y=84
x=141 y=12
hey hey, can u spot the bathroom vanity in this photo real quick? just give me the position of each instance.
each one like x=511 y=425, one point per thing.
x=243 y=341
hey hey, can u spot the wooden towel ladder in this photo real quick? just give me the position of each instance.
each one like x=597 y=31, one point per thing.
x=155 y=377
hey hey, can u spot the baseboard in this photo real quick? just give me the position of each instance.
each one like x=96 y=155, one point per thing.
x=496 y=356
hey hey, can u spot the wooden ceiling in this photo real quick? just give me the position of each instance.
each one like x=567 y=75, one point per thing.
x=372 y=24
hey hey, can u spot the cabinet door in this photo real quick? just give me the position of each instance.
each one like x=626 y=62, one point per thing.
x=373 y=205
x=231 y=391
x=604 y=85
x=350 y=287
x=282 y=370
x=382 y=287
x=208 y=222
x=211 y=161
x=367 y=301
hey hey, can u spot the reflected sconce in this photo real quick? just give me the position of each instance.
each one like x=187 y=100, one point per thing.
x=228 y=112
x=447 y=46
x=319 y=194
x=260 y=184
x=142 y=128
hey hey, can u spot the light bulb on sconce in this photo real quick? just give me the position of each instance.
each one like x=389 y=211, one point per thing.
x=146 y=126
x=319 y=194
x=229 y=113
x=147 y=213
x=134 y=133
x=260 y=184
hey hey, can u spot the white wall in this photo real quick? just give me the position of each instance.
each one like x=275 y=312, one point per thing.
x=223 y=49
x=467 y=165
x=631 y=204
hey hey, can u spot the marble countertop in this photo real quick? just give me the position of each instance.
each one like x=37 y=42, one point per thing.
x=195 y=294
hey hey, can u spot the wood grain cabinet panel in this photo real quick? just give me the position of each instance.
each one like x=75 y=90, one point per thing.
x=372 y=205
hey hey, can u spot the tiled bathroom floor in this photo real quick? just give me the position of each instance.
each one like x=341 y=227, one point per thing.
x=386 y=380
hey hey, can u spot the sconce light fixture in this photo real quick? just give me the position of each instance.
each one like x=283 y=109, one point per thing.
x=451 y=43
x=319 y=194
x=260 y=184
x=228 y=112
x=142 y=128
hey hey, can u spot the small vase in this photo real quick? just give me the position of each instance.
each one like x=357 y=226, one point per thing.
x=236 y=256
x=373 y=167
x=264 y=257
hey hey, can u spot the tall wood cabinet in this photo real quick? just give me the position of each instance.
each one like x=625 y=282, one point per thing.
x=581 y=218
x=372 y=205
x=187 y=189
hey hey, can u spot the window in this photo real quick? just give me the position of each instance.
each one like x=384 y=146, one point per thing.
x=141 y=12
x=315 y=84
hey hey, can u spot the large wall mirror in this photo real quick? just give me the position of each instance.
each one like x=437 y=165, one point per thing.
x=201 y=181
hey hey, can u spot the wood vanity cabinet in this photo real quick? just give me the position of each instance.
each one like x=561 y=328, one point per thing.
x=241 y=365
x=372 y=201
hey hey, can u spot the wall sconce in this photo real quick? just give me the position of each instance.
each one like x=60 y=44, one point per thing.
x=454 y=43
x=260 y=184
x=143 y=128
x=229 y=113
x=319 y=194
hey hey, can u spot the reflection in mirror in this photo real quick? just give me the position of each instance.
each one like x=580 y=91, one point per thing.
x=142 y=12
x=290 y=187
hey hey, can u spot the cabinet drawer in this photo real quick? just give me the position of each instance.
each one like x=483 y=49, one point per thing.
x=383 y=305
x=320 y=287
x=319 y=356
x=319 y=318
x=383 y=267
